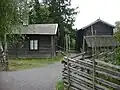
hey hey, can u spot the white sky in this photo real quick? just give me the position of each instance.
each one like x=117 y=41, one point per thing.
x=91 y=10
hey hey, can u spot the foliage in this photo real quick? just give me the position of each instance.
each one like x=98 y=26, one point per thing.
x=10 y=19
x=117 y=25
x=39 y=13
x=29 y=63
x=63 y=14
x=60 y=85
x=117 y=33
x=7 y=17
x=117 y=56
x=117 y=50
x=111 y=56
x=55 y=11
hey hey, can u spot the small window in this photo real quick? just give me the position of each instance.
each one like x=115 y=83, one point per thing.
x=33 y=44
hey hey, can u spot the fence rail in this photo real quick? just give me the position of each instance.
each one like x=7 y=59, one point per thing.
x=78 y=75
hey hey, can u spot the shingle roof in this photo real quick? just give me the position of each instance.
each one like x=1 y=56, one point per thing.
x=46 y=29
x=101 y=41
x=98 y=20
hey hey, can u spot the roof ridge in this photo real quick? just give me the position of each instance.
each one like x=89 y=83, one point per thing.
x=96 y=22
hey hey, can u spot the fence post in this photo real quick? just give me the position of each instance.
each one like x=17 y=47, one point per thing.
x=83 y=56
x=93 y=53
x=68 y=74
x=7 y=67
x=66 y=37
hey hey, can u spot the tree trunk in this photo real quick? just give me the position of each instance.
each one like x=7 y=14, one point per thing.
x=4 y=59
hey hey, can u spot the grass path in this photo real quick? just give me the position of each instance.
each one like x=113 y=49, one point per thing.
x=21 y=64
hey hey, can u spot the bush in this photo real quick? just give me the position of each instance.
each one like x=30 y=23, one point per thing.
x=117 y=56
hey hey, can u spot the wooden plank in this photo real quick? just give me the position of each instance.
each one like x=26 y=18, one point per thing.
x=68 y=73
x=108 y=64
x=110 y=84
x=81 y=66
x=77 y=55
x=73 y=88
x=78 y=87
x=107 y=74
x=78 y=75
x=100 y=87
x=109 y=71
x=76 y=62
x=52 y=46
x=80 y=79
x=80 y=62
x=66 y=40
x=78 y=84
x=87 y=66
x=65 y=82
x=74 y=70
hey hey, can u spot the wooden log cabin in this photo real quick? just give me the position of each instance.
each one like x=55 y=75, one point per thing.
x=39 y=42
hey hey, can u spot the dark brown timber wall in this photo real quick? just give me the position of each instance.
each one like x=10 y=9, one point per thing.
x=46 y=47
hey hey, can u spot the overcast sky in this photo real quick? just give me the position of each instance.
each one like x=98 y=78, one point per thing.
x=90 y=10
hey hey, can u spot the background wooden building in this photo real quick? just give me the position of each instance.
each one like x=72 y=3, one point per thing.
x=96 y=34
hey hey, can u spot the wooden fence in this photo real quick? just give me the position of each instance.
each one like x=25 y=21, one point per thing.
x=79 y=74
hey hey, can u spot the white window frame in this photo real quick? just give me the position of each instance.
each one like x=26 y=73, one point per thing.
x=33 y=44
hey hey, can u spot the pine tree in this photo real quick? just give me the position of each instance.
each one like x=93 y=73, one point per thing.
x=55 y=11
x=64 y=15
x=39 y=14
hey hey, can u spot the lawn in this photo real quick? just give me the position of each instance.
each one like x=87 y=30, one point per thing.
x=21 y=64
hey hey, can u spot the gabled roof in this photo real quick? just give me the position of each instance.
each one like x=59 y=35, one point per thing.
x=101 y=41
x=44 y=29
x=98 y=20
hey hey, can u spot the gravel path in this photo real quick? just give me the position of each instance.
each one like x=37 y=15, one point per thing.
x=43 y=78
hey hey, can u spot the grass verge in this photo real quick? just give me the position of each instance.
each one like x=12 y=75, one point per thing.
x=21 y=64
x=60 y=85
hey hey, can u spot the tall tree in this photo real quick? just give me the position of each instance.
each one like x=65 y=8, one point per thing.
x=64 y=15
x=12 y=15
x=58 y=11
x=39 y=13
x=10 y=19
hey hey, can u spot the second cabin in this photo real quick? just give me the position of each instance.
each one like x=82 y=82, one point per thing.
x=97 y=34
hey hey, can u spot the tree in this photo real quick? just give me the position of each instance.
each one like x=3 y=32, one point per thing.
x=39 y=13
x=55 y=11
x=117 y=33
x=10 y=19
x=64 y=15
x=117 y=50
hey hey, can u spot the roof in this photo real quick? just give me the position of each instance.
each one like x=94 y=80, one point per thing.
x=45 y=29
x=98 y=20
x=101 y=41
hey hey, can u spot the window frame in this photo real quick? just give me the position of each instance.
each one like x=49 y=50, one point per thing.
x=33 y=45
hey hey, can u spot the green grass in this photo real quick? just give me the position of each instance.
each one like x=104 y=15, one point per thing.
x=60 y=85
x=21 y=64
